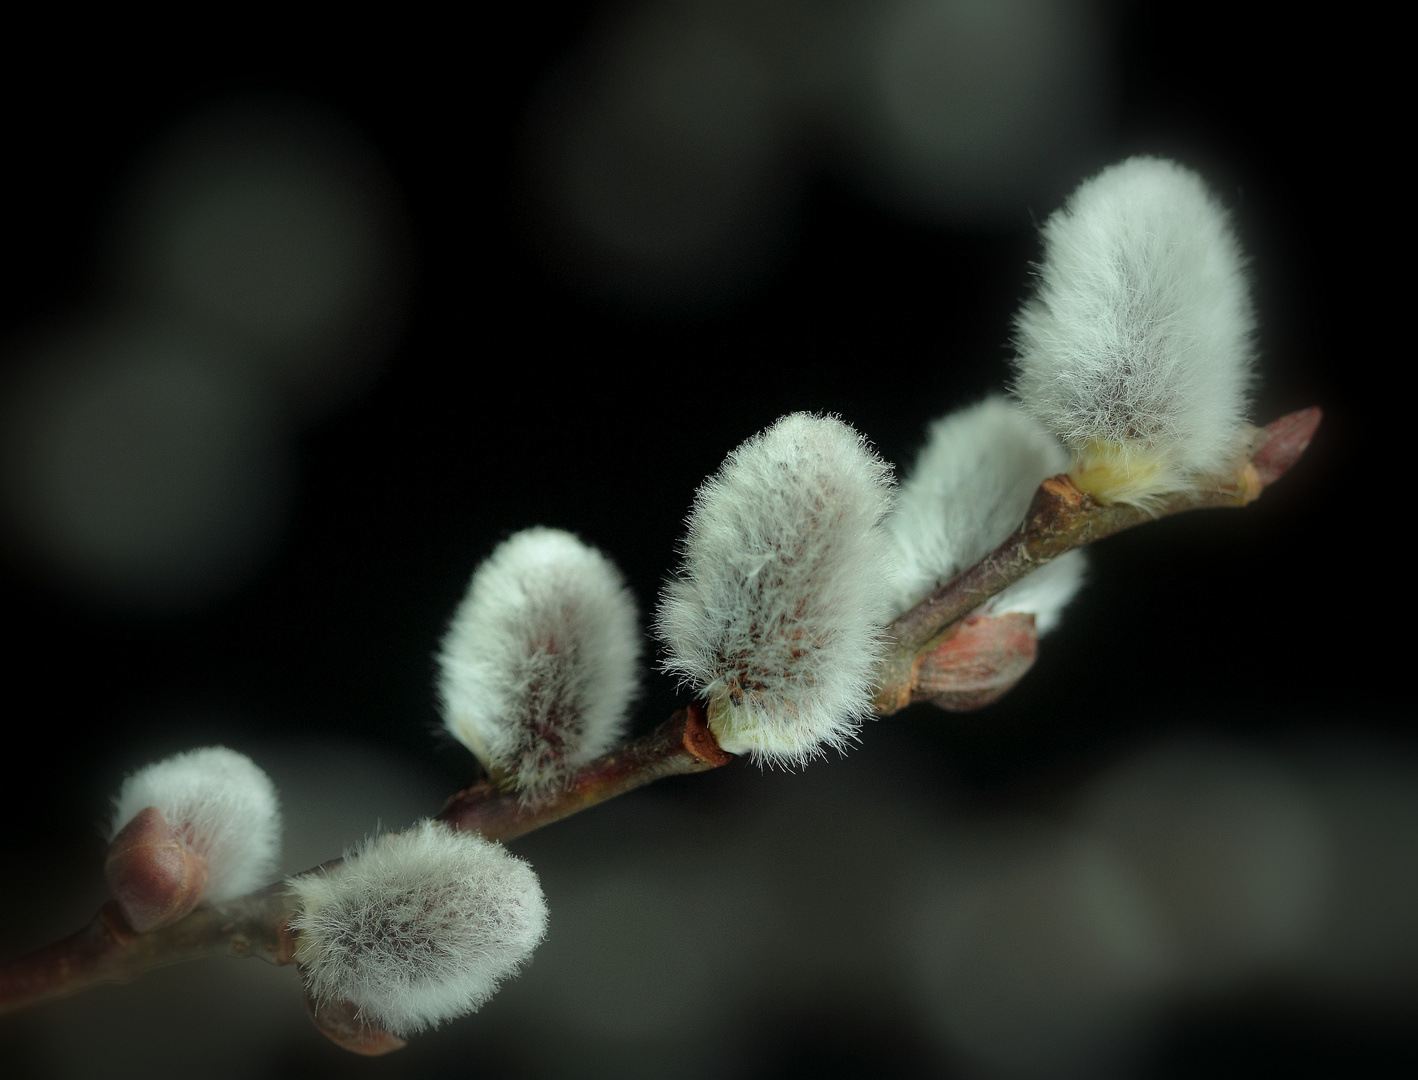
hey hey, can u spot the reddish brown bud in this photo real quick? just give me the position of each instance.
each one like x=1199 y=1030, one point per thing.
x=155 y=877
x=978 y=663
x=339 y=1020
x=1284 y=441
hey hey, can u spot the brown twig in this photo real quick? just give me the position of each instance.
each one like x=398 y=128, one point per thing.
x=977 y=668
x=682 y=744
x=109 y=950
x=1060 y=519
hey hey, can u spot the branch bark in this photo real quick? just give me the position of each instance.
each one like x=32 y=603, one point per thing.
x=682 y=744
x=110 y=950
x=1060 y=518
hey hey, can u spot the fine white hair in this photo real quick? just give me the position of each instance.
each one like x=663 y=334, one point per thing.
x=417 y=927
x=541 y=661
x=776 y=613
x=970 y=488
x=220 y=804
x=1137 y=349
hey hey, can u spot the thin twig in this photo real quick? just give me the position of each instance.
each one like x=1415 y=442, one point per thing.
x=1060 y=519
x=109 y=950
x=682 y=744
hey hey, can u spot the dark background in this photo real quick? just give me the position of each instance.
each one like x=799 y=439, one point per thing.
x=528 y=377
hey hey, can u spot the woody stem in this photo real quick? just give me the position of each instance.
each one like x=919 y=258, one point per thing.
x=1060 y=519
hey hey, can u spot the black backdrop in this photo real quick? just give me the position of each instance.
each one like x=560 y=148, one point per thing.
x=513 y=396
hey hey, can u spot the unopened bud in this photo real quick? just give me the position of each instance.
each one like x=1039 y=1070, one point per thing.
x=155 y=877
x=977 y=664
x=339 y=1021
x=217 y=806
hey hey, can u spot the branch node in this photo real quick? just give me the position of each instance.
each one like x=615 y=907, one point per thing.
x=699 y=741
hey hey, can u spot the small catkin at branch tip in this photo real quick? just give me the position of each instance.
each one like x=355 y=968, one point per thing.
x=541 y=661
x=1137 y=349
x=776 y=614
x=215 y=803
x=418 y=927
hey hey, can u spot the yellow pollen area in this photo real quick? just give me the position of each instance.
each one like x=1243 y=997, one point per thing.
x=1119 y=473
x=721 y=718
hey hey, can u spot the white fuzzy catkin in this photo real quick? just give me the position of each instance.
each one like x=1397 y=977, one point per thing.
x=222 y=805
x=541 y=661
x=1138 y=347
x=777 y=610
x=970 y=488
x=417 y=927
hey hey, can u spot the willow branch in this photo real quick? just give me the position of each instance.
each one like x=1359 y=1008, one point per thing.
x=108 y=950
x=1060 y=519
x=682 y=744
